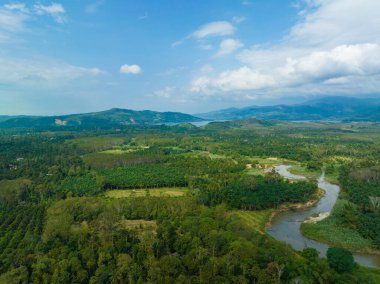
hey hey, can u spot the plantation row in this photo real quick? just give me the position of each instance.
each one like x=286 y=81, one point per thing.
x=20 y=230
x=176 y=172
x=141 y=176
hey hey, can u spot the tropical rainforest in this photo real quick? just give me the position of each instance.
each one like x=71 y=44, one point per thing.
x=184 y=204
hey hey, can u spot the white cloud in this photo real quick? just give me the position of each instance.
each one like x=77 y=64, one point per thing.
x=343 y=60
x=14 y=16
x=16 y=7
x=41 y=72
x=93 y=7
x=220 y=28
x=165 y=93
x=329 y=67
x=177 y=43
x=130 y=69
x=55 y=10
x=238 y=19
x=333 y=22
x=12 y=20
x=228 y=46
x=205 y=46
x=241 y=79
x=207 y=68
x=334 y=48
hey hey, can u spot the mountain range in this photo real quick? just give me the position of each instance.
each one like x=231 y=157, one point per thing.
x=328 y=108
x=109 y=118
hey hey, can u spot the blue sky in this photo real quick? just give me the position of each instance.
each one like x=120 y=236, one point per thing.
x=192 y=56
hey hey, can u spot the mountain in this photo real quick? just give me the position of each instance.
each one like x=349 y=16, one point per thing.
x=328 y=108
x=113 y=117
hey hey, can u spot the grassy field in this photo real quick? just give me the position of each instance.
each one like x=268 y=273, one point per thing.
x=165 y=191
x=255 y=219
x=260 y=165
x=116 y=151
x=330 y=231
x=303 y=171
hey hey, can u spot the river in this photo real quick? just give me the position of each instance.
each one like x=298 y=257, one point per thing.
x=286 y=225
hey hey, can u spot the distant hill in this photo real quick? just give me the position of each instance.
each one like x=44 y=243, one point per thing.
x=114 y=117
x=328 y=108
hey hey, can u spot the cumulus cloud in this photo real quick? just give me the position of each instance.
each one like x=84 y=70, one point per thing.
x=241 y=79
x=131 y=69
x=228 y=46
x=220 y=28
x=55 y=10
x=333 y=48
x=329 y=23
x=330 y=67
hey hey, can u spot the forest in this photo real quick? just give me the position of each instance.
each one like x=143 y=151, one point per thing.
x=59 y=224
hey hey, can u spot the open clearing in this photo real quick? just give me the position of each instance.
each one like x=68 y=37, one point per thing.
x=164 y=191
x=256 y=220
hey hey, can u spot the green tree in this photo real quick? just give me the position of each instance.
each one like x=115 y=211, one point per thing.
x=340 y=259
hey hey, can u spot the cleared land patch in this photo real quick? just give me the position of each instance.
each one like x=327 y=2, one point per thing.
x=164 y=191
x=256 y=220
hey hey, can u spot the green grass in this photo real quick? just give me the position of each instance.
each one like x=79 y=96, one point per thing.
x=330 y=231
x=303 y=171
x=199 y=153
x=164 y=191
x=259 y=165
x=115 y=151
x=256 y=220
x=255 y=171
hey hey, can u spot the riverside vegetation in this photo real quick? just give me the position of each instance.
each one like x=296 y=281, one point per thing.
x=186 y=204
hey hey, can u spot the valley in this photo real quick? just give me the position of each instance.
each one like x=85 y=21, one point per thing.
x=183 y=203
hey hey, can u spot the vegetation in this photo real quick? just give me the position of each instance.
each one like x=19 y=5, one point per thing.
x=340 y=259
x=252 y=193
x=355 y=221
x=165 y=191
x=255 y=220
x=160 y=204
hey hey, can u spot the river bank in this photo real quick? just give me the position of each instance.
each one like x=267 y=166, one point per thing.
x=295 y=206
x=330 y=231
x=286 y=225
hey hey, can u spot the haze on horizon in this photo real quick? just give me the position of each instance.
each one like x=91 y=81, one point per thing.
x=59 y=57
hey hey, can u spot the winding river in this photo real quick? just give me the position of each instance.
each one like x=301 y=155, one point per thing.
x=286 y=225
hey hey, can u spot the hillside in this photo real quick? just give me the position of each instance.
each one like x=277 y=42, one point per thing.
x=328 y=108
x=113 y=117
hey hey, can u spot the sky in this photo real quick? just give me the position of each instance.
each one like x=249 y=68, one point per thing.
x=193 y=56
